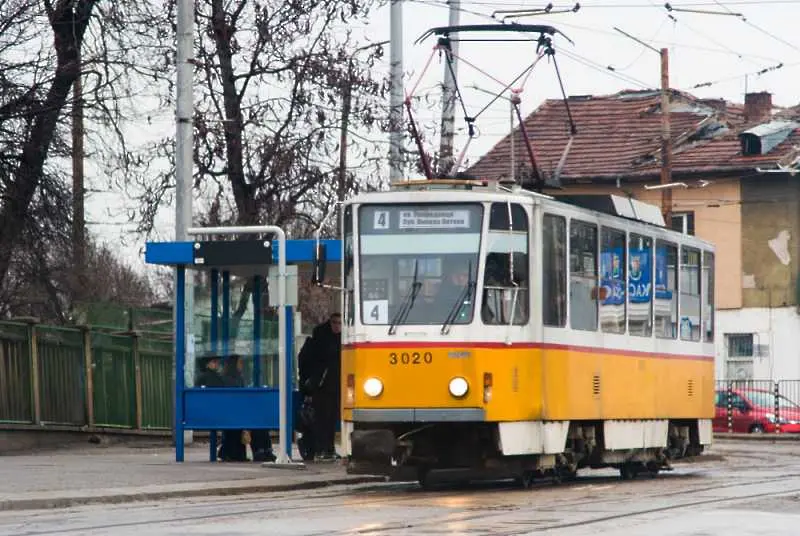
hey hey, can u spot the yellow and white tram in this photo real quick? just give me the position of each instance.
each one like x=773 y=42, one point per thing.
x=513 y=334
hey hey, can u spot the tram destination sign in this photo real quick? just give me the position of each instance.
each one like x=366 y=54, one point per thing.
x=434 y=219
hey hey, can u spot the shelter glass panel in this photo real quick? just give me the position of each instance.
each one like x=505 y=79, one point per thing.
x=554 y=270
x=640 y=285
x=690 y=294
x=613 y=277
x=666 y=290
x=417 y=262
x=583 y=275
x=506 y=293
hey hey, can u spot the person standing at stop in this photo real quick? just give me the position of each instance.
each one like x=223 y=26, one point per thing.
x=320 y=371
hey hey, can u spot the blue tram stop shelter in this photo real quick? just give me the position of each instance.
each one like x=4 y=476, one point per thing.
x=259 y=390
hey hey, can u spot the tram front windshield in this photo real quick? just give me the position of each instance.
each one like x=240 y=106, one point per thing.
x=419 y=263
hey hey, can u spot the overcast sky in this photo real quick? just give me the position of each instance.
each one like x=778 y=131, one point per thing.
x=723 y=52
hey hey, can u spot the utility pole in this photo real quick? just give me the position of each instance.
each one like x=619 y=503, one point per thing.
x=449 y=97
x=666 y=144
x=183 y=161
x=396 y=98
x=346 y=99
x=347 y=95
x=78 y=216
x=666 y=149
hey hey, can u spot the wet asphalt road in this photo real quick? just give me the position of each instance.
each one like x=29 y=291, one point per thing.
x=754 y=490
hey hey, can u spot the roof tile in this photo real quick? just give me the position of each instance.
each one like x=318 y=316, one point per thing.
x=619 y=136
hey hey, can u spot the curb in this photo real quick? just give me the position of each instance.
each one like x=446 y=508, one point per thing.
x=757 y=437
x=128 y=497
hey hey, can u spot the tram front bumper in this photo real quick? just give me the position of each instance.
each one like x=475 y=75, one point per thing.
x=421 y=415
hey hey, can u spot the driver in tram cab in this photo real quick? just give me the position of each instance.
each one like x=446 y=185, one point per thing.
x=450 y=289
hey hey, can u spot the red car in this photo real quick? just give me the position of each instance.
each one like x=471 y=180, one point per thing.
x=753 y=411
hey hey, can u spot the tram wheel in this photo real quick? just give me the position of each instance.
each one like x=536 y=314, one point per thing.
x=527 y=479
x=628 y=471
x=424 y=479
x=653 y=469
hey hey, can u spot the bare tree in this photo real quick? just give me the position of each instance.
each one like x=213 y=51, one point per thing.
x=37 y=72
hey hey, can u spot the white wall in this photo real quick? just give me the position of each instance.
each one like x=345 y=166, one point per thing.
x=779 y=328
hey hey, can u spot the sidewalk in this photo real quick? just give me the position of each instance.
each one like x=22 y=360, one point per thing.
x=123 y=473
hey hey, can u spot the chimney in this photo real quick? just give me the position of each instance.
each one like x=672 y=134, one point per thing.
x=758 y=107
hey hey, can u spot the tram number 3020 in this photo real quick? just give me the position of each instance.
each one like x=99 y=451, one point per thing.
x=410 y=358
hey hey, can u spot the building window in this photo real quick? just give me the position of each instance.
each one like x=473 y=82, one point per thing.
x=683 y=222
x=740 y=344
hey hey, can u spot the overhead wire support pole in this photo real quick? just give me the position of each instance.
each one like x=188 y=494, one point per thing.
x=449 y=94
x=396 y=96
x=666 y=143
x=184 y=144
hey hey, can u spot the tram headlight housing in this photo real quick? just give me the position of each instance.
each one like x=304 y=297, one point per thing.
x=458 y=387
x=373 y=387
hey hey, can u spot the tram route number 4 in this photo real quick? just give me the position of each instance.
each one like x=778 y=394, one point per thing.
x=377 y=311
x=381 y=220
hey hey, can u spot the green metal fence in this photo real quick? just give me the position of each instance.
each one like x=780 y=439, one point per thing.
x=16 y=396
x=84 y=377
x=94 y=377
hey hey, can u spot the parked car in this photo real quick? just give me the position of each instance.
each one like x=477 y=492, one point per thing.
x=753 y=411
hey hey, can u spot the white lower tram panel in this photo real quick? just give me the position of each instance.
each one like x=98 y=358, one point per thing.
x=549 y=437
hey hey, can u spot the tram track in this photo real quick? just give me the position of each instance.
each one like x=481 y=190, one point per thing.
x=279 y=506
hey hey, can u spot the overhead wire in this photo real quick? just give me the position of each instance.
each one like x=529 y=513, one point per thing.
x=758 y=28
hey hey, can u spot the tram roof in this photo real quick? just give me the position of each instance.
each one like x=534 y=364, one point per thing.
x=614 y=205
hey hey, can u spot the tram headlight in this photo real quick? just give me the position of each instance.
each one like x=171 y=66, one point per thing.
x=458 y=387
x=373 y=387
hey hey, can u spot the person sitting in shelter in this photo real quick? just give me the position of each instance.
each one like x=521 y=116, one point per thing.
x=208 y=373
x=234 y=442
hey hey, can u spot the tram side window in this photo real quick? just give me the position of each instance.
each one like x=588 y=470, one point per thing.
x=349 y=283
x=640 y=287
x=690 y=294
x=708 y=293
x=554 y=270
x=666 y=290
x=506 y=284
x=582 y=275
x=612 y=280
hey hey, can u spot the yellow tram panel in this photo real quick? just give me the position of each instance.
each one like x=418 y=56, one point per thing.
x=516 y=376
x=581 y=384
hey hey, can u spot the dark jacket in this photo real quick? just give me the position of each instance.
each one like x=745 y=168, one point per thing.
x=319 y=362
x=207 y=377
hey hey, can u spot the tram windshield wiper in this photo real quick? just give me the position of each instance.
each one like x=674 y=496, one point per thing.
x=466 y=293
x=408 y=302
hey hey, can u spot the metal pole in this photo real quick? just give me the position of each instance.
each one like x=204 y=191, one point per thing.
x=449 y=98
x=183 y=157
x=284 y=455
x=180 y=353
x=511 y=134
x=666 y=149
x=396 y=99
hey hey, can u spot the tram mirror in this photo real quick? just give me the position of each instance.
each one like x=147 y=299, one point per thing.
x=320 y=262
